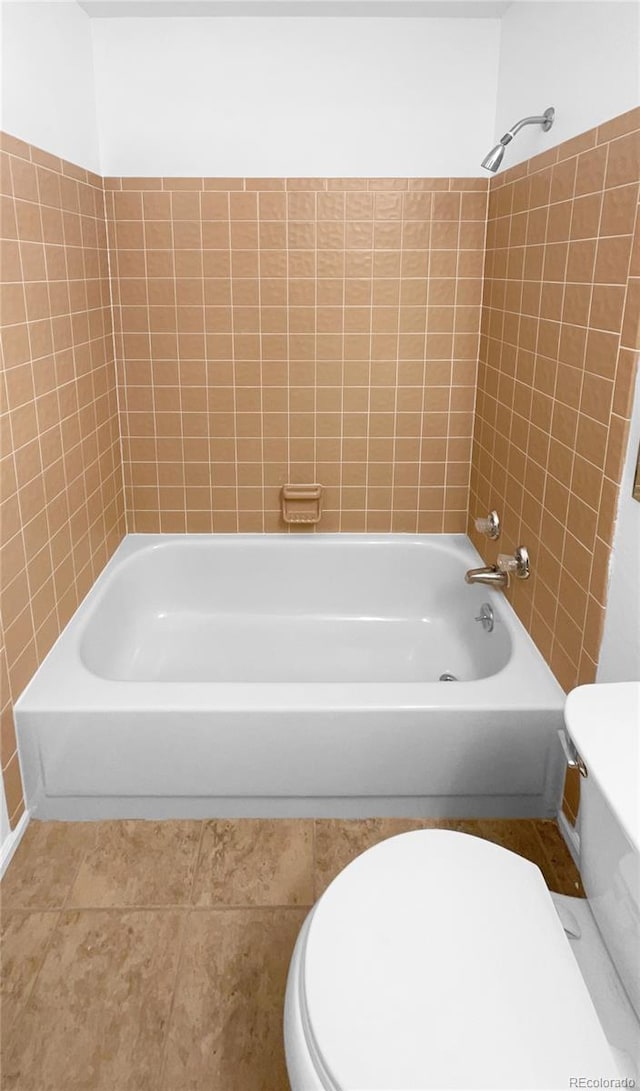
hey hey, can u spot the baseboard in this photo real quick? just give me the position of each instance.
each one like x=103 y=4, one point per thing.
x=570 y=837
x=11 y=842
x=160 y=808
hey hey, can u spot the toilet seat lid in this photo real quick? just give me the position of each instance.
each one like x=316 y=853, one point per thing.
x=437 y=960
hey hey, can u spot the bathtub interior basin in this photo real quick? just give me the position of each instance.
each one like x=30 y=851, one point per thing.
x=315 y=614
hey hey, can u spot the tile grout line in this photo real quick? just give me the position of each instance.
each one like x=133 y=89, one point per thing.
x=425 y=361
x=579 y=412
x=166 y=907
x=371 y=280
x=89 y=848
x=261 y=355
x=456 y=291
x=554 y=401
x=109 y=228
x=198 y=856
x=180 y=362
x=167 y=1030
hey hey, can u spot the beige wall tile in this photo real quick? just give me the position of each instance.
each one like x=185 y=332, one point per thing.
x=62 y=428
x=327 y=282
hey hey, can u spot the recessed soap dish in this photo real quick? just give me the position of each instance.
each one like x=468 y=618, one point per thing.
x=301 y=503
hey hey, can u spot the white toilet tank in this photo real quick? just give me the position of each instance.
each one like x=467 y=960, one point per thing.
x=604 y=724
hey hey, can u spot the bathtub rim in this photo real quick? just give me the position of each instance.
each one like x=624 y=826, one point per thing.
x=64 y=682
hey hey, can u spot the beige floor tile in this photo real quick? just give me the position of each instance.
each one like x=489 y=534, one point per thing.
x=46 y=864
x=226 y=1032
x=255 y=862
x=135 y=863
x=97 y=1015
x=518 y=835
x=566 y=878
x=23 y=942
x=339 y=841
x=87 y=995
x=458 y=825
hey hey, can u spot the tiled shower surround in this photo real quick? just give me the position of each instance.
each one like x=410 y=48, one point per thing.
x=62 y=509
x=304 y=330
x=558 y=353
x=316 y=329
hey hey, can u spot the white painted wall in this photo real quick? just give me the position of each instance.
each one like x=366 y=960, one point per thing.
x=295 y=96
x=581 y=58
x=620 y=652
x=48 y=95
x=280 y=95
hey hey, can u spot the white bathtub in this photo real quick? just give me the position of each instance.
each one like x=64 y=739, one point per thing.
x=273 y=675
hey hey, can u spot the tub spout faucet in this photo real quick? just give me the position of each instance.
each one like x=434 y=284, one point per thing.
x=491 y=575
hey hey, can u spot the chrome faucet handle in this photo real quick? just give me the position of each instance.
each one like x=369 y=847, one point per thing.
x=489 y=526
x=516 y=565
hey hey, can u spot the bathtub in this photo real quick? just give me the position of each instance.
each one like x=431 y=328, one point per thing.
x=281 y=675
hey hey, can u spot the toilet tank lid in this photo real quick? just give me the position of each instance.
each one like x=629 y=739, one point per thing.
x=604 y=723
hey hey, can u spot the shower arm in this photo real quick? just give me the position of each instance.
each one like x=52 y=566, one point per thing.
x=545 y=120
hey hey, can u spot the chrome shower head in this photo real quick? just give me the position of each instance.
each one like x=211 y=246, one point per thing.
x=493 y=160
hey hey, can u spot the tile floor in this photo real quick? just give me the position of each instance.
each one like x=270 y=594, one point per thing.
x=154 y=955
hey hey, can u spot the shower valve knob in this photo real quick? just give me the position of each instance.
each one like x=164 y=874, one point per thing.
x=489 y=526
x=515 y=565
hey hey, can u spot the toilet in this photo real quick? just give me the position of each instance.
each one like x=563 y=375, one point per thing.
x=439 y=960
